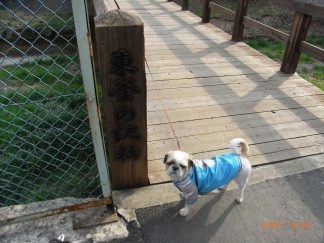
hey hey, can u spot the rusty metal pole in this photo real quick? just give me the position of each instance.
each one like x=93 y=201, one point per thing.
x=89 y=82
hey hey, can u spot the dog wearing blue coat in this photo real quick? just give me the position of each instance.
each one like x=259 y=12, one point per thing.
x=198 y=177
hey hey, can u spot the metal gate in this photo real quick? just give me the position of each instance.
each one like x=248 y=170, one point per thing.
x=49 y=148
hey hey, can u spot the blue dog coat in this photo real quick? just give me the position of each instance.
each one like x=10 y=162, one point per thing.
x=208 y=175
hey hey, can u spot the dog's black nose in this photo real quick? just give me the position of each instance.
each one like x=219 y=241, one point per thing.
x=175 y=168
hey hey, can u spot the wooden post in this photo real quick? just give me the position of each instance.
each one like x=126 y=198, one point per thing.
x=238 y=28
x=206 y=12
x=185 y=5
x=297 y=34
x=120 y=46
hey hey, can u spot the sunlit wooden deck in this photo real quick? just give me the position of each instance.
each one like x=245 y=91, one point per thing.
x=215 y=89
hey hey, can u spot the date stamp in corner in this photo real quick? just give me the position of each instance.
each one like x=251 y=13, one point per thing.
x=293 y=225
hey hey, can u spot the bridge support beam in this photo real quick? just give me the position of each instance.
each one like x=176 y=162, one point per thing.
x=297 y=35
x=185 y=5
x=238 y=28
x=206 y=12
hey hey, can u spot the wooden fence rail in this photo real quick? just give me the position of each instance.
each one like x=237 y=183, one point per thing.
x=295 y=41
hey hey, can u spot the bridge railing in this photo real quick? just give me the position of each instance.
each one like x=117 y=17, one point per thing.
x=295 y=40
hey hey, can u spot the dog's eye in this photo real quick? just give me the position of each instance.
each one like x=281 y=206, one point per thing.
x=183 y=166
x=171 y=162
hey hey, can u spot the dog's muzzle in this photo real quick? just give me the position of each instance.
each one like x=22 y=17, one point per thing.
x=175 y=168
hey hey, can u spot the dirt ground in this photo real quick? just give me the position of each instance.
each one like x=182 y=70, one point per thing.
x=261 y=10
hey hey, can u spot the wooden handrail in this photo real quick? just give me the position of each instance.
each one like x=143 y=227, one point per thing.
x=295 y=40
x=313 y=8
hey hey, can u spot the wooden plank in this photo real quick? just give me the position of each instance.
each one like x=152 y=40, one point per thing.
x=165 y=83
x=183 y=38
x=163 y=32
x=201 y=144
x=213 y=66
x=212 y=63
x=220 y=100
x=314 y=8
x=228 y=49
x=226 y=71
x=207 y=125
x=233 y=90
x=260 y=153
x=175 y=44
x=166 y=64
x=120 y=44
x=213 y=81
x=312 y=50
x=230 y=109
x=167 y=55
x=174 y=13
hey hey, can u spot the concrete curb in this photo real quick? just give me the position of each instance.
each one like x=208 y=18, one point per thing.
x=49 y=228
x=161 y=194
x=127 y=201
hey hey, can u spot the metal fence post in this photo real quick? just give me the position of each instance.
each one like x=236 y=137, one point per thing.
x=87 y=70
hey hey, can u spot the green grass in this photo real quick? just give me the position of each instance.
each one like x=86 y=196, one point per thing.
x=316 y=40
x=275 y=50
x=40 y=79
x=315 y=76
x=45 y=141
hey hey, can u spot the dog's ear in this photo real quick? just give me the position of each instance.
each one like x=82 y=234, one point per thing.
x=165 y=158
x=190 y=163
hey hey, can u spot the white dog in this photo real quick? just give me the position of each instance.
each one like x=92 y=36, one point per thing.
x=193 y=177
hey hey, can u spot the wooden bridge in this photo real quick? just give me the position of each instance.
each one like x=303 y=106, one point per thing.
x=215 y=89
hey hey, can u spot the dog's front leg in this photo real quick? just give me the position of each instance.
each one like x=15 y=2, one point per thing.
x=185 y=210
x=223 y=188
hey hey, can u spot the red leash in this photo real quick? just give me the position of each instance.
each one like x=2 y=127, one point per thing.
x=180 y=147
x=161 y=100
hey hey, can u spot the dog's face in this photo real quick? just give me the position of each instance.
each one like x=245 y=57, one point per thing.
x=177 y=164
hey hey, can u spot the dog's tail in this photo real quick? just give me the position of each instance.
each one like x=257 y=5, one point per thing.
x=239 y=146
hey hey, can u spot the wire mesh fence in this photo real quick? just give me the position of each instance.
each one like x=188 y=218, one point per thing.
x=46 y=149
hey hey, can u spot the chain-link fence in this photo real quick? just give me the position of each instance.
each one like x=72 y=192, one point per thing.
x=46 y=149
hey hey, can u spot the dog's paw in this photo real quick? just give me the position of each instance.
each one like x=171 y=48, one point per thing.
x=184 y=211
x=222 y=188
x=239 y=200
